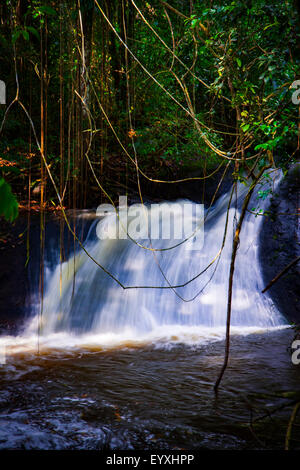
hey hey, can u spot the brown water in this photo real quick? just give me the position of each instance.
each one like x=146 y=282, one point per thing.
x=151 y=396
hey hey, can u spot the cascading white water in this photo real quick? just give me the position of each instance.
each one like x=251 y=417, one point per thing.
x=92 y=302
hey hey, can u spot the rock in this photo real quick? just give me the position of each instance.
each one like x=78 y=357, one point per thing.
x=13 y=277
x=200 y=191
x=279 y=245
x=19 y=280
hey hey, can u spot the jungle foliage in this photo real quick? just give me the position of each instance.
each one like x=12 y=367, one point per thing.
x=185 y=86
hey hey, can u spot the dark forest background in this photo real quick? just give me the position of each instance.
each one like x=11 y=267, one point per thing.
x=124 y=92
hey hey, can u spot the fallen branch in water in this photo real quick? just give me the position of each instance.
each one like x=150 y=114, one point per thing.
x=276 y=278
x=290 y=426
x=235 y=246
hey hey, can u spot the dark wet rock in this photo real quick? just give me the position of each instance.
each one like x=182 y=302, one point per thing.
x=201 y=191
x=19 y=277
x=13 y=278
x=279 y=245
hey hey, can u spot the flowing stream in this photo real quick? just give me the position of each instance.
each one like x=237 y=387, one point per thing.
x=102 y=367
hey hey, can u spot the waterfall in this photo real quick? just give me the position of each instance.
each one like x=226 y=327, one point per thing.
x=80 y=298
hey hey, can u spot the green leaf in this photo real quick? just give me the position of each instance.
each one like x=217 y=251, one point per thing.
x=239 y=62
x=8 y=202
x=15 y=35
x=25 y=35
x=47 y=10
x=264 y=194
x=3 y=40
x=33 y=31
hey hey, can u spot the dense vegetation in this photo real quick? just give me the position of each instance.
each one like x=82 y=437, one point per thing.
x=97 y=90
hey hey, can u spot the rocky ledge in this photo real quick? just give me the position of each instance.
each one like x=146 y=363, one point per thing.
x=280 y=245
